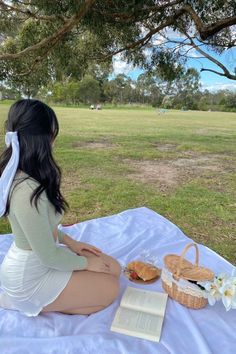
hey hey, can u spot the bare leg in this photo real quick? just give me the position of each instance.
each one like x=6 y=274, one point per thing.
x=85 y=293
x=88 y=292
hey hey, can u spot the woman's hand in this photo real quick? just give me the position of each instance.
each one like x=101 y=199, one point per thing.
x=98 y=264
x=82 y=248
x=95 y=264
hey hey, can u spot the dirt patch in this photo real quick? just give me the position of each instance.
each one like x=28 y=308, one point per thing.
x=196 y=163
x=165 y=147
x=171 y=173
x=151 y=171
x=69 y=182
x=93 y=145
x=213 y=131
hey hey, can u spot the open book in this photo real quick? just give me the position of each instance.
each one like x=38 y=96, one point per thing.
x=141 y=314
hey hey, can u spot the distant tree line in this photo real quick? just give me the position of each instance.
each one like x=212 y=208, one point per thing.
x=183 y=92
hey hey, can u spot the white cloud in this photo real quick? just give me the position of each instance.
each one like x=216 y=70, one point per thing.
x=194 y=53
x=219 y=86
x=120 y=66
x=230 y=58
x=158 y=39
x=171 y=34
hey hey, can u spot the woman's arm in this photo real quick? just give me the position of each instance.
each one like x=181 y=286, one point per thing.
x=64 y=239
x=34 y=224
x=75 y=246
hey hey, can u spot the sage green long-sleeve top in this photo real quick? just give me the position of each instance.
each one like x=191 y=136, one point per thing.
x=33 y=229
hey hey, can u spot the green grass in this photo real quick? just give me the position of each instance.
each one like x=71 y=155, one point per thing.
x=112 y=160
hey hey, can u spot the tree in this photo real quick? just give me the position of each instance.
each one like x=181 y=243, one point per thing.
x=167 y=101
x=144 y=82
x=137 y=28
x=8 y=93
x=89 y=90
x=11 y=71
x=149 y=88
x=187 y=89
x=231 y=101
x=63 y=92
x=119 y=89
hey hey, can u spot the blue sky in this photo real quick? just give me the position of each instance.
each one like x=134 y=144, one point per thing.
x=212 y=81
x=209 y=80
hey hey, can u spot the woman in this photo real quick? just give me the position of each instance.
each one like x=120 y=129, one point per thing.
x=37 y=275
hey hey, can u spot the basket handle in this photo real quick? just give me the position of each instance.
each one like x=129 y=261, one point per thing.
x=179 y=266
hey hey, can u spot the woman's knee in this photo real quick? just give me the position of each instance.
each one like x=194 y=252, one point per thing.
x=115 y=266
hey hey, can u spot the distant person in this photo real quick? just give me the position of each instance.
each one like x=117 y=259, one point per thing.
x=99 y=106
x=92 y=106
x=161 y=110
x=37 y=275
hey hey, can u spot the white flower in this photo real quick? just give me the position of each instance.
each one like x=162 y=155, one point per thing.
x=223 y=287
x=212 y=290
x=221 y=279
x=228 y=291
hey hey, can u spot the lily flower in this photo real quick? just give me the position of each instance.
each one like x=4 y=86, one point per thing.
x=228 y=292
x=212 y=291
x=223 y=287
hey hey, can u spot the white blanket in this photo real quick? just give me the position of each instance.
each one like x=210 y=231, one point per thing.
x=207 y=331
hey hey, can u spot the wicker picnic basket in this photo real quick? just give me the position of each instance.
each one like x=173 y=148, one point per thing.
x=179 y=279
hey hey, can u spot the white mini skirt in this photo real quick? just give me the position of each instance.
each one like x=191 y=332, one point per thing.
x=29 y=284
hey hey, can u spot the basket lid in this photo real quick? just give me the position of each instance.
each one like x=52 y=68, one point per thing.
x=182 y=268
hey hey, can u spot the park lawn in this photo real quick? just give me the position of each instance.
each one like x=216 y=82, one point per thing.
x=180 y=164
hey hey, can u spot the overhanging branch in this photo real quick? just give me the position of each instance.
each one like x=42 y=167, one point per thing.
x=176 y=10
x=215 y=72
x=212 y=29
x=225 y=73
x=197 y=47
x=28 y=13
x=141 y=42
x=124 y=16
x=55 y=37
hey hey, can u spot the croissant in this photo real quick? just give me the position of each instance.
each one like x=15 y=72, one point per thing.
x=144 y=271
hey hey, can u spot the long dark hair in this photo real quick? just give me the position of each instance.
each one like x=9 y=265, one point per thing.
x=37 y=126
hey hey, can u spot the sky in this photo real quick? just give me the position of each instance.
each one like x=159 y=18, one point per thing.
x=209 y=81
x=212 y=81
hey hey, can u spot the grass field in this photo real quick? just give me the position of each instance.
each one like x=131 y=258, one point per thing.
x=180 y=164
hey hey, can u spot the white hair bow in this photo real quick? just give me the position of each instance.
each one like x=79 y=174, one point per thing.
x=9 y=172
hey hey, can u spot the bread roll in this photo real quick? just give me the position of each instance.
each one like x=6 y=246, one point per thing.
x=145 y=271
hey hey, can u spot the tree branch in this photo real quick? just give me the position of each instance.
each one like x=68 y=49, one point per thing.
x=204 y=31
x=176 y=8
x=55 y=37
x=228 y=45
x=208 y=31
x=30 y=14
x=124 y=16
x=205 y=55
x=225 y=73
x=215 y=72
x=141 y=42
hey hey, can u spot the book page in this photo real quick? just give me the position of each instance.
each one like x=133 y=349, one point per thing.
x=144 y=300
x=137 y=324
